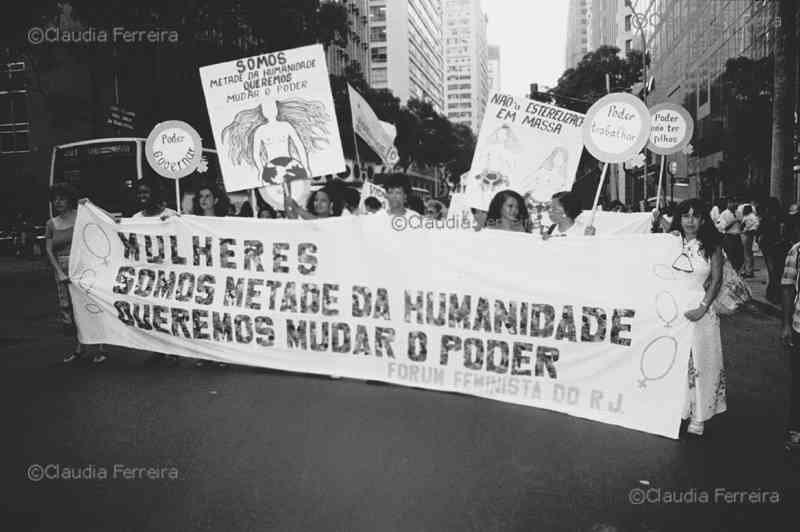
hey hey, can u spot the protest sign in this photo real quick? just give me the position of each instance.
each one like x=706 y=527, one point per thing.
x=374 y=132
x=492 y=314
x=617 y=127
x=527 y=146
x=273 y=121
x=671 y=128
x=173 y=149
x=370 y=189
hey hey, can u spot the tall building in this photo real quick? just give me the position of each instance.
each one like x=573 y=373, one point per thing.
x=466 y=62
x=406 y=54
x=493 y=66
x=595 y=23
x=611 y=23
x=356 y=52
x=578 y=18
x=714 y=59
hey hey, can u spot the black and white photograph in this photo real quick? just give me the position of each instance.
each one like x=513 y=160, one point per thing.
x=400 y=265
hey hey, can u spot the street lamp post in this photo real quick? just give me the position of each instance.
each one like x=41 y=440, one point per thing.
x=640 y=21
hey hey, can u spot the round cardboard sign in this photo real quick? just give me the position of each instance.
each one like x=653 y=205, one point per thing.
x=671 y=128
x=616 y=127
x=173 y=149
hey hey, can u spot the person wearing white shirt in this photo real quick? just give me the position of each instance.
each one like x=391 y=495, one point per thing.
x=564 y=208
x=398 y=190
x=149 y=198
x=731 y=228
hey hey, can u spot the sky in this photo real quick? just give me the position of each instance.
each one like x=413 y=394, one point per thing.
x=532 y=35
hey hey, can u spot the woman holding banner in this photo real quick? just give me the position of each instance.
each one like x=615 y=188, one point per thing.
x=701 y=261
x=565 y=207
x=58 y=243
x=508 y=212
x=322 y=203
x=210 y=201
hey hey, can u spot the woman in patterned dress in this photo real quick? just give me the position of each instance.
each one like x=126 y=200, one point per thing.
x=701 y=261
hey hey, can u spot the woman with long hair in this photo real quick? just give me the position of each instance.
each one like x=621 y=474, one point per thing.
x=701 y=262
x=58 y=242
x=210 y=201
x=508 y=212
x=322 y=203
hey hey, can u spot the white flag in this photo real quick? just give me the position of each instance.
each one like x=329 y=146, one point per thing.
x=377 y=134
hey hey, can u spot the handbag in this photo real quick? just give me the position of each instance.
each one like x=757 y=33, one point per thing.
x=733 y=292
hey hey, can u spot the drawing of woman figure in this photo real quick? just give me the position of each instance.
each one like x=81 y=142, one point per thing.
x=549 y=178
x=277 y=138
x=499 y=159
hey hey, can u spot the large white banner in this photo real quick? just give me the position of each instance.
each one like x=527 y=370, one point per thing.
x=273 y=118
x=592 y=327
x=527 y=146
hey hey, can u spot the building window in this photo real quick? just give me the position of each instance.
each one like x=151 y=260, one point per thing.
x=378 y=75
x=377 y=13
x=379 y=54
x=628 y=44
x=14 y=122
x=377 y=34
x=627 y=22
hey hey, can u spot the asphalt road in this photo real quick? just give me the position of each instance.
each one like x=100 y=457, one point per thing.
x=249 y=449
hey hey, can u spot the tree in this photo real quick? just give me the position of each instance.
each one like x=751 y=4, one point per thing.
x=782 y=102
x=579 y=87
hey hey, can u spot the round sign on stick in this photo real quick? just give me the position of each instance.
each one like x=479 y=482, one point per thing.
x=173 y=149
x=616 y=127
x=671 y=128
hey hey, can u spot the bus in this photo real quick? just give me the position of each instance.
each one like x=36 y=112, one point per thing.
x=106 y=171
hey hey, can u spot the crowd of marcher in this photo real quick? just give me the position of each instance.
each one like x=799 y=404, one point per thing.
x=711 y=235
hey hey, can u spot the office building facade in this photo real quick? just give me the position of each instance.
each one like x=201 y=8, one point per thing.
x=578 y=19
x=466 y=62
x=714 y=58
x=406 y=52
x=493 y=66
x=356 y=52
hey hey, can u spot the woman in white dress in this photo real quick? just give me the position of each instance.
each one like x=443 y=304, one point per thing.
x=701 y=261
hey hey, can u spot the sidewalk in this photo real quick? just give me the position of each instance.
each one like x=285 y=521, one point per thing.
x=758 y=285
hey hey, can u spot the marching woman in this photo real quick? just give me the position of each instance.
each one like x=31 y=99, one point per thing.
x=507 y=211
x=150 y=195
x=322 y=203
x=702 y=251
x=210 y=201
x=565 y=207
x=58 y=242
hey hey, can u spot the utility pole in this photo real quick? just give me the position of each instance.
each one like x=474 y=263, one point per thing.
x=640 y=21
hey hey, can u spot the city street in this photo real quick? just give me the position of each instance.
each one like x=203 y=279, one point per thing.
x=250 y=449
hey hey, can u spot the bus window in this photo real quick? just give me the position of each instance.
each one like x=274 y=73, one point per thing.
x=99 y=171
